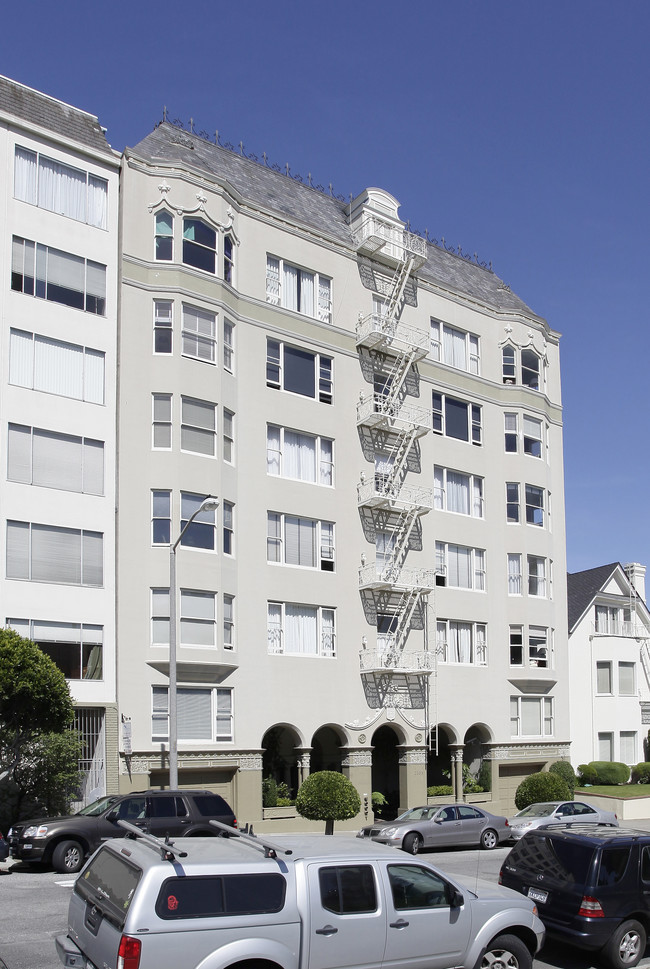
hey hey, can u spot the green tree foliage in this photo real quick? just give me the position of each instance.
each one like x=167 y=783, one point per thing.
x=48 y=776
x=328 y=796
x=543 y=786
x=564 y=770
x=34 y=698
x=587 y=774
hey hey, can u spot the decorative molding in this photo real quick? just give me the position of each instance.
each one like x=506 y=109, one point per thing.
x=357 y=758
x=181 y=210
x=412 y=755
x=528 y=751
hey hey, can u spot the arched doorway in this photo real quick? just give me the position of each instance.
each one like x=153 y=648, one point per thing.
x=325 y=750
x=439 y=757
x=385 y=769
x=280 y=757
x=475 y=746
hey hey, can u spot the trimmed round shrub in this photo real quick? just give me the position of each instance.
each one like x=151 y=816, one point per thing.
x=564 y=770
x=587 y=774
x=611 y=771
x=440 y=790
x=328 y=796
x=641 y=773
x=543 y=786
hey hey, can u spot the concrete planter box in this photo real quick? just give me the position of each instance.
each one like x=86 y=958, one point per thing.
x=625 y=808
x=274 y=813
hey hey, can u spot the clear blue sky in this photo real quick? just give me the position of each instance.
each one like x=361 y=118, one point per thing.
x=516 y=129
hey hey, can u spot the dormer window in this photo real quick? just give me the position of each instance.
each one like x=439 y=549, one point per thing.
x=164 y=236
x=523 y=367
x=199 y=245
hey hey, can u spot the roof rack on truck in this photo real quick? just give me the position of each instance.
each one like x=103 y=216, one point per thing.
x=168 y=852
x=269 y=849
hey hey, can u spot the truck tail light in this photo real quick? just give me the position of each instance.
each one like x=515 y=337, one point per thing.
x=591 y=908
x=128 y=954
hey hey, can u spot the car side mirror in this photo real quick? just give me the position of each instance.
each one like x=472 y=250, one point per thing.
x=438 y=820
x=456 y=899
x=112 y=815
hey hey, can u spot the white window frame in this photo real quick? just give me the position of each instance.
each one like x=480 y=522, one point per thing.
x=605 y=737
x=448 y=643
x=277 y=293
x=48 y=459
x=163 y=326
x=276 y=370
x=322 y=532
x=206 y=431
x=228 y=621
x=192 y=339
x=276 y=455
x=228 y=434
x=441 y=350
x=442 y=491
x=537 y=571
x=71 y=370
x=440 y=422
x=604 y=682
x=161 y=422
x=513 y=502
x=546 y=715
x=325 y=625
x=220 y=697
x=61 y=174
x=535 y=513
x=161 y=497
x=37 y=270
x=191 y=245
x=445 y=552
x=228 y=525
x=87 y=638
x=515 y=577
x=186 y=620
x=514 y=370
x=57 y=553
x=228 y=348
x=628 y=668
x=628 y=746
x=160 y=232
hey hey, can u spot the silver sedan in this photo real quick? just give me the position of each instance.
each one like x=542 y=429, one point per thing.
x=558 y=812
x=440 y=826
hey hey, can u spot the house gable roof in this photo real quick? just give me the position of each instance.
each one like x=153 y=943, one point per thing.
x=583 y=587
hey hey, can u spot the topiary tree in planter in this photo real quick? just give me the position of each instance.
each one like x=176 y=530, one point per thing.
x=328 y=796
x=564 y=770
x=542 y=786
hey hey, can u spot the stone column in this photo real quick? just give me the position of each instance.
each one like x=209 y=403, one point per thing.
x=356 y=765
x=412 y=777
x=457 y=771
x=247 y=786
x=303 y=755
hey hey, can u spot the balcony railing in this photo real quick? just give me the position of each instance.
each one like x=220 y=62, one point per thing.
x=375 y=410
x=376 y=330
x=393 y=660
x=377 y=576
x=379 y=235
x=624 y=629
x=377 y=494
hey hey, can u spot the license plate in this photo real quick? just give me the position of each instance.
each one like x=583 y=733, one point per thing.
x=537 y=894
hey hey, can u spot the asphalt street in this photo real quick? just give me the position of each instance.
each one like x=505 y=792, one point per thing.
x=34 y=903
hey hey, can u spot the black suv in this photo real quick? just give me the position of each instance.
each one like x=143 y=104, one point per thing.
x=591 y=885
x=64 y=842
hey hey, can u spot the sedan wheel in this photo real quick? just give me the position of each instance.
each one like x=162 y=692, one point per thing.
x=412 y=843
x=489 y=839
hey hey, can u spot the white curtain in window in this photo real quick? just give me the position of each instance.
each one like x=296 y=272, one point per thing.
x=628 y=746
x=441 y=641
x=477 y=497
x=194 y=713
x=21 y=358
x=274 y=537
x=97 y=201
x=299 y=456
x=326 y=462
x=473 y=354
x=272 y=449
x=272 y=280
x=52 y=632
x=605 y=746
x=301 y=635
x=481 y=644
x=61 y=189
x=460 y=566
x=274 y=623
x=454 y=348
x=307 y=293
x=19 y=453
x=438 y=488
x=385 y=548
x=435 y=339
x=58 y=368
x=290 y=287
x=25 y=175
x=18 y=542
x=458 y=493
x=514 y=574
x=479 y=569
x=328 y=642
x=324 y=300
x=65 y=270
x=460 y=642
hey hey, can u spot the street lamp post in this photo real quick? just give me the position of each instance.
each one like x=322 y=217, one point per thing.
x=210 y=503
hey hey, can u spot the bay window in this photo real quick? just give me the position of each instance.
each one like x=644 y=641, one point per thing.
x=199 y=245
x=531 y=716
x=197 y=618
x=198 y=335
x=203 y=714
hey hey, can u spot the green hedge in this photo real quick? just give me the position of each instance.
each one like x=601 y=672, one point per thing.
x=641 y=773
x=440 y=790
x=564 y=770
x=543 y=786
x=610 y=772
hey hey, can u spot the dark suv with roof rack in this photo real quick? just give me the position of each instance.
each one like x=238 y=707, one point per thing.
x=65 y=842
x=591 y=884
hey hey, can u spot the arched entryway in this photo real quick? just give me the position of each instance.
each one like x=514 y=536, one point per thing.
x=280 y=757
x=476 y=766
x=385 y=769
x=326 y=753
x=440 y=756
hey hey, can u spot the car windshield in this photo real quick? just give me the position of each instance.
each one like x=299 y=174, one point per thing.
x=417 y=814
x=92 y=810
x=537 y=811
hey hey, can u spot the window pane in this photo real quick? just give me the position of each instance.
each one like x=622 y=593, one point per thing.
x=299 y=372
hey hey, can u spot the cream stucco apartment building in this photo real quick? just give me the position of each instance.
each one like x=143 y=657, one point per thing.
x=382 y=588
x=58 y=345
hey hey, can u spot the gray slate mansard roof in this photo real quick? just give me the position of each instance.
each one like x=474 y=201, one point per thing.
x=275 y=192
x=55 y=116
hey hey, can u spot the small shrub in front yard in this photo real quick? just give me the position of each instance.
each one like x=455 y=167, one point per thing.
x=587 y=774
x=440 y=790
x=640 y=773
x=542 y=786
x=564 y=770
x=611 y=771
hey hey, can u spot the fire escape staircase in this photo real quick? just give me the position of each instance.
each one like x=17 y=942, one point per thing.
x=388 y=494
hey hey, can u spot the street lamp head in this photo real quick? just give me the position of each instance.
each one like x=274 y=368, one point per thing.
x=209 y=504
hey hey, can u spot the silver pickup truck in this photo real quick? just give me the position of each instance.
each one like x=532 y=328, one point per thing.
x=308 y=902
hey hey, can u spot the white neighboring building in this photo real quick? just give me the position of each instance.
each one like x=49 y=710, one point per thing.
x=609 y=664
x=58 y=306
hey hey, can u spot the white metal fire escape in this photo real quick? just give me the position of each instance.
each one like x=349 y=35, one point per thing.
x=395 y=504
